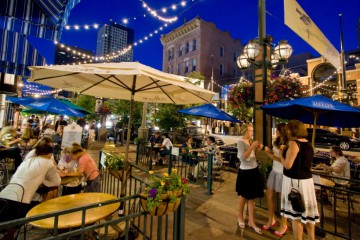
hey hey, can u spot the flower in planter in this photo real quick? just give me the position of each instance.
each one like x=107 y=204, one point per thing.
x=114 y=162
x=165 y=189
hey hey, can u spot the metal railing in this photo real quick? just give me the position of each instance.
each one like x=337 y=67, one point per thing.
x=197 y=167
x=134 y=221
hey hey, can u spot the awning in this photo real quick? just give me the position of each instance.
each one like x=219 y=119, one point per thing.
x=21 y=18
x=17 y=53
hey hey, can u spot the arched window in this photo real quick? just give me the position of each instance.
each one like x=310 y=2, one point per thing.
x=325 y=80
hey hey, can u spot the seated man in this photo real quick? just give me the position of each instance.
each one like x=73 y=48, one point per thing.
x=211 y=148
x=165 y=148
x=156 y=140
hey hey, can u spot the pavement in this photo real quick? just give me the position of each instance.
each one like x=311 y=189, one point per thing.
x=211 y=216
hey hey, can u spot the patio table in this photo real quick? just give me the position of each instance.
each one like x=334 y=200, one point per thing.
x=73 y=219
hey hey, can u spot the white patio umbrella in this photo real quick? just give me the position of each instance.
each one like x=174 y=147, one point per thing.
x=127 y=80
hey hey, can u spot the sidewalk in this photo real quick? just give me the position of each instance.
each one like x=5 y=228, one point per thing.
x=211 y=216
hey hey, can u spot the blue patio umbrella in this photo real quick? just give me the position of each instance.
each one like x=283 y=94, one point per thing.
x=47 y=105
x=209 y=111
x=317 y=110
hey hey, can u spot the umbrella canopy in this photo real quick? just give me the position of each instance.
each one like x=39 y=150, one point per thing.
x=121 y=81
x=315 y=110
x=126 y=80
x=209 y=111
x=74 y=106
x=47 y=105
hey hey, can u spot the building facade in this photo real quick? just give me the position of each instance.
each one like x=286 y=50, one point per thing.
x=322 y=77
x=112 y=39
x=65 y=54
x=200 y=46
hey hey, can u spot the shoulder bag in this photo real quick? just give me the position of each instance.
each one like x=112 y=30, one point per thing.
x=294 y=196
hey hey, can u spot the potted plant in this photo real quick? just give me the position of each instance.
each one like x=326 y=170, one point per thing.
x=115 y=165
x=163 y=195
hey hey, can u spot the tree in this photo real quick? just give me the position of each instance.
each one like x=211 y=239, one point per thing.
x=88 y=103
x=195 y=78
x=167 y=116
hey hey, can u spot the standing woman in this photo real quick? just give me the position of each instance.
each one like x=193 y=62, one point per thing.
x=274 y=181
x=248 y=183
x=297 y=164
x=87 y=166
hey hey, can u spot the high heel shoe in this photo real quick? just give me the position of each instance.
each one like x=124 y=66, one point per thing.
x=278 y=234
x=256 y=229
x=265 y=227
x=241 y=224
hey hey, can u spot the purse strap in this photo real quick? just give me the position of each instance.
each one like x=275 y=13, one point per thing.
x=299 y=165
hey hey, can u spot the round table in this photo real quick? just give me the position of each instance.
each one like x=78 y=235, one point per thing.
x=319 y=170
x=326 y=182
x=70 y=177
x=74 y=219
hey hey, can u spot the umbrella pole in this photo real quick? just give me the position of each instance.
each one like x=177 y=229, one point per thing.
x=126 y=163
x=314 y=129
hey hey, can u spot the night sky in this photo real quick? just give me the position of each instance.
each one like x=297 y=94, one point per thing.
x=239 y=17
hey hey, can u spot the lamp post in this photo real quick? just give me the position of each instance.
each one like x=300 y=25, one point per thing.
x=263 y=57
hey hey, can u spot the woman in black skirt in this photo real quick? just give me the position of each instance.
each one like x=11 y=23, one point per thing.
x=248 y=183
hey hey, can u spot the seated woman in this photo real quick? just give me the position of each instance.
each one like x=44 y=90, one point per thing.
x=187 y=156
x=165 y=145
x=9 y=145
x=20 y=195
x=87 y=166
x=340 y=167
x=67 y=164
x=211 y=148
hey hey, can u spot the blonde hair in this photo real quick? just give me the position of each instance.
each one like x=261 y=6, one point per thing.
x=244 y=128
x=7 y=130
x=75 y=148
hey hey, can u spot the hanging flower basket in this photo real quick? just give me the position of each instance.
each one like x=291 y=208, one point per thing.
x=163 y=195
x=119 y=173
x=115 y=166
x=166 y=206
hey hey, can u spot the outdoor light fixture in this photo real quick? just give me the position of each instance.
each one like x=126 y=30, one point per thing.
x=242 y=61
x=252 y=50
x=283 y=50
x=279 y=55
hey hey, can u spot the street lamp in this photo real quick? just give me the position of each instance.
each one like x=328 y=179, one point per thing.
x=261 y=54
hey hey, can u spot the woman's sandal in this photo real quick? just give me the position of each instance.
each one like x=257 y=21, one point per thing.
x=256 y=229
x=241 y=224
x=265 y=227
x=278 y=234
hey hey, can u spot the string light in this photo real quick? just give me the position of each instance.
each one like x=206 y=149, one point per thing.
x=153 y=13
x=320 y=84
x=88 y=58
x=33 y=89
x=149 y=10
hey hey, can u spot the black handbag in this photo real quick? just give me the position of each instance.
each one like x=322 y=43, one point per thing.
x=294 y=196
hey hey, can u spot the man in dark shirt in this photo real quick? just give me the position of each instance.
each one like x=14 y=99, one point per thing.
x=59 y=122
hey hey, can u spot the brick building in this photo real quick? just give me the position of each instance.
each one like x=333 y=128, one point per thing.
x=200 y=46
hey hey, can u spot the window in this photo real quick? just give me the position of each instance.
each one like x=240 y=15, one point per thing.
x=169 y=55
x=179 y=69
x=186 y=66
x=194 y=45
x=194 y=64
x=187 y=47
x=235 y=73
x=221 y=51
x=221 y=69
x=180 y=50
